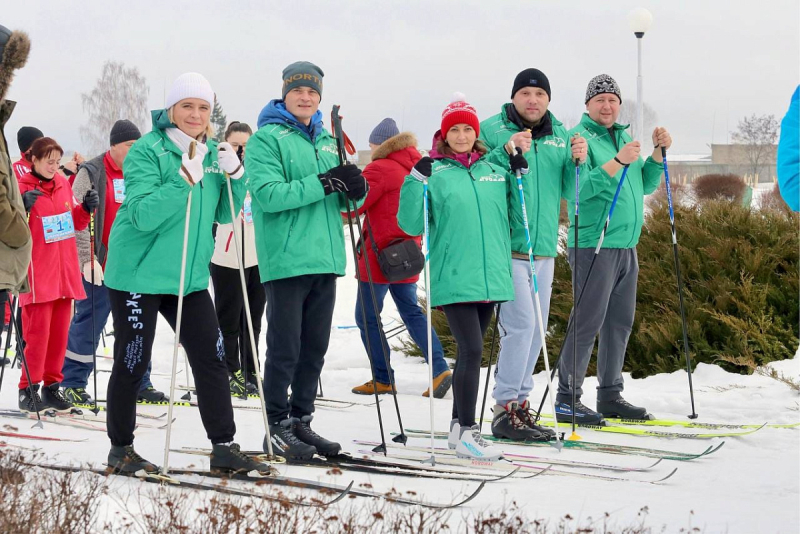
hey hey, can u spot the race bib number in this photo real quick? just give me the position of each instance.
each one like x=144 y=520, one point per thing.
x=248 y=210
x=58 y=227
x=119 y=190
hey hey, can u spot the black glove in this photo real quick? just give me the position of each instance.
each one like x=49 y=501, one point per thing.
x=29 y=198
x=66 y=171
x=336 y=178
x=517 y=162
x=422 y=169
x=91 y=200
x=357 y=186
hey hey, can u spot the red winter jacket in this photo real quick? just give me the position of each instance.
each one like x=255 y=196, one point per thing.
x=391 y=163
x=54 y=272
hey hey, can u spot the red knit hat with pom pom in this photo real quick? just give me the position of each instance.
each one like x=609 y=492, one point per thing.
x=459 y=112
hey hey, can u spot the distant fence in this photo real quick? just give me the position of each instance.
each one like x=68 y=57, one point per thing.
x=686 y=173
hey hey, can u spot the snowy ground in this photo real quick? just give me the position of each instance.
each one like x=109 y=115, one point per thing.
x=751 y=485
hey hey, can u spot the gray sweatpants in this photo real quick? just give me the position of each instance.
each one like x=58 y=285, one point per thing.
x=520 y=339
x=606 y=311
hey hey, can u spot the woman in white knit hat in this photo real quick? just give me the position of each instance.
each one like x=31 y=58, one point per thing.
x=143 y=269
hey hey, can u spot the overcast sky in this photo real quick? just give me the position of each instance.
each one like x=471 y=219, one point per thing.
x=706 y=63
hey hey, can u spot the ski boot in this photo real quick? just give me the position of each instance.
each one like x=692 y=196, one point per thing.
x=78 y=397
x=507 y=424
x=236 y=382
x=229 y=458
x=622 y=409
x=471 y=445
x=126 y=460
x=152 y=396
x=454 y=434
x=583 y=415
x=29 y=399
x=285 y=442
x=303 y=431
x=524 y=412
x=53 y=399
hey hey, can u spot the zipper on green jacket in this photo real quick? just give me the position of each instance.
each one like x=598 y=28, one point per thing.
x=538 y=195
x=190 y=270
x=146 y=252
x=327 y=219
x=444 y=260
x=483 y=237
x=289 y=234
x=635 y=217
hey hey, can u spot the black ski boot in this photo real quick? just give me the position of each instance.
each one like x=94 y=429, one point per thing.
x=507 y=424
x=53 y=399
x=622 y=409
x=583 y=415
x=27 y=397
x=126 y=460
x=236 y=383
x=152 y=396
x=78 y=396
x=231 y=459
x=526 y=414
x=303 y=431
x=285 y=442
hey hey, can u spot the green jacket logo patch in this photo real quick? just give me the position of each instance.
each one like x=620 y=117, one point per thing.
x=556 y=142
x=493 y=178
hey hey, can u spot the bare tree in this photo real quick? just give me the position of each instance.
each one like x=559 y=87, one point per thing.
x=627 y=115
x=758 y=133
x=120 y=93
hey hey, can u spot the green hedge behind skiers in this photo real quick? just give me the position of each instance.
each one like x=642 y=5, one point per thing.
x=740 y=271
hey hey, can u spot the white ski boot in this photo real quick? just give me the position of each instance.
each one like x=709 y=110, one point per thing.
x=454 y=435
x=472 y=445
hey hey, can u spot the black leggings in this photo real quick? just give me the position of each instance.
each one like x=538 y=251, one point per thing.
x=468 y=323
x=229 y=302
x=135 y=316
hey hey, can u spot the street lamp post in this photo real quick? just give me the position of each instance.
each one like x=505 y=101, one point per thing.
x=639 y=20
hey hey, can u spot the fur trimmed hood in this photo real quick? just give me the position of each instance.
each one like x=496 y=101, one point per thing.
x=394 y=144
x=15 y=54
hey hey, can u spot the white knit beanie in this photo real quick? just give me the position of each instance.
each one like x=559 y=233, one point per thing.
x=190 y=85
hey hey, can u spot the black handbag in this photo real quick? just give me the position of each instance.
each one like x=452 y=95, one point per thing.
x=401 y=259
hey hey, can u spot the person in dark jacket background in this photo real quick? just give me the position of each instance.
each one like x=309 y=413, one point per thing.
x=15 y=237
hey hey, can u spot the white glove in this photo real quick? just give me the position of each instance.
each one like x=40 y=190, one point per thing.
x=98 y=272
x=229 y=161
x=192 y=169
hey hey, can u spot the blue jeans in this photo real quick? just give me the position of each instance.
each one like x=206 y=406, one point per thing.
x=78 y=363
x=405 y=298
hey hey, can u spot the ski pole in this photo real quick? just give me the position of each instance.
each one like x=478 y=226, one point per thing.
x=94 y=328
x=243 y=339
x=680 y=282
x=427 y=254
x=489 y=370
x=339 y=135
x=13 y=308
x=249 y=319
x=21 y=355
x=537 y=300
x=171 y=402
x=585 y=284
x=574 y=436
x=401 y=437
x=18 y=333
x=321 y=393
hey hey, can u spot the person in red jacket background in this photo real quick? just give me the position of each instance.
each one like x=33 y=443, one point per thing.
x=394 y=154
x=54 y=274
